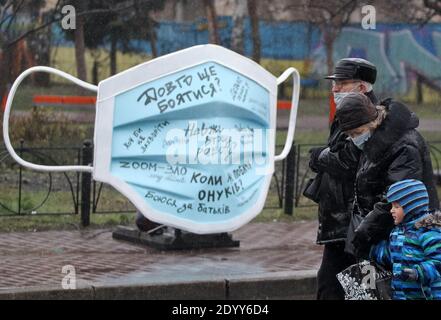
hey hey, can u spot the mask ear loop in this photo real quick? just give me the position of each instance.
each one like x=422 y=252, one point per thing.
x=7 y=112
x=357 y=83
x=293 y=113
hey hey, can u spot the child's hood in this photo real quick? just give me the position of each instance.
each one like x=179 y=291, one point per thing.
x=412 y=196
x=430 y=221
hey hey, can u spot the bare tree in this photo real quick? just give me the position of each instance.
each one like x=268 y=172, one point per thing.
x=212 y=21
x=434 y=5
x=413 y=11
x=179 y=10
x=237 y=34
x=80 y=47
x=118 y=28
x=15 y=53
x=12 y=40
x=255 y=33
x=330 y=16
x=152 y=35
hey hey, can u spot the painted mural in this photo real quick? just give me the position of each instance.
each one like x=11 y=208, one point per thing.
x=401 y=52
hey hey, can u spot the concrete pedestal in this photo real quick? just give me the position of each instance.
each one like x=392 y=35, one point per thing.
x=175 y=239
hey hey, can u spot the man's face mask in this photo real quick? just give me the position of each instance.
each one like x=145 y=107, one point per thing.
x=188 y=138
x=338 y=96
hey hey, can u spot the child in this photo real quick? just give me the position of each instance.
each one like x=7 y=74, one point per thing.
x=414 y=247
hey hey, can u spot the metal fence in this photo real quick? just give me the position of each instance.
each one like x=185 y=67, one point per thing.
x=27 y=192
x=303 y=173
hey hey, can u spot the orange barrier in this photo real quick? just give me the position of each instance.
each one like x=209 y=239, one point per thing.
x=284 y=104
x=4 y=101
x=332 y=108
x=75 y=100
x=89 y=100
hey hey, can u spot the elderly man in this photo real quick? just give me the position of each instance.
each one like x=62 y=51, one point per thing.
x=333 y=185
x=353 y=75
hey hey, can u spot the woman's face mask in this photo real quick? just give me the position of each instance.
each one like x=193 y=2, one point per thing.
x=361 y=139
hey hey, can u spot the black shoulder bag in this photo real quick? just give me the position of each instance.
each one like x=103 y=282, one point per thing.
x=312 y=189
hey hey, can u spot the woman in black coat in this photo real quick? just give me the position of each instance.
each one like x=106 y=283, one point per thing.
x=391 y=150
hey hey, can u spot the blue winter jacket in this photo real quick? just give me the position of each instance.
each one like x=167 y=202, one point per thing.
x=414 y=243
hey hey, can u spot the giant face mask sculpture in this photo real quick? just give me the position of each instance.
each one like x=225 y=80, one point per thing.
x=188 y=138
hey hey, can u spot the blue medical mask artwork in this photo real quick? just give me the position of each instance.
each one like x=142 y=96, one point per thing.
x=360 y=140
x=188 y=138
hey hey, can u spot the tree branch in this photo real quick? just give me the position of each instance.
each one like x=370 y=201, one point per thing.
x=14 y=15
x=332 y=8
x=434 y=5
x=4 y=10
x=81 y=14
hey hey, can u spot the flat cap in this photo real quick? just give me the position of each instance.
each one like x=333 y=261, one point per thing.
x=354 y=69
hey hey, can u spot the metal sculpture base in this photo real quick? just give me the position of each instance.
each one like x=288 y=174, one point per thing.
x=174 y=239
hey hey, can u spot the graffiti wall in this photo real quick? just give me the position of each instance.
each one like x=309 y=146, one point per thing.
x=402 y=52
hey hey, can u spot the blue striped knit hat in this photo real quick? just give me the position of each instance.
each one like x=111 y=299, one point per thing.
x=411 y=194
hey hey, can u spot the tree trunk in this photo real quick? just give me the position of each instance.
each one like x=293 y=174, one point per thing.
x=212 y=21
x=41 y=51
x=113 y=51
x=179 y=11
x=255 y=33
x=329 y=37
x=152 y=37
x=95 y=68
x=6 y=78
x=419 y=90
x=80 y=48
x=237 y=34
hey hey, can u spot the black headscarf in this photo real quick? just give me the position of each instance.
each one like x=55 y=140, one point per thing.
x=355 y=110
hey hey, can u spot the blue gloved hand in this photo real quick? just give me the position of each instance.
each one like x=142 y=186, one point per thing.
x=408 y=274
